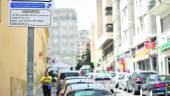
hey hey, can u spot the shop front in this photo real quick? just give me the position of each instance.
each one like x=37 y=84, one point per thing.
x=164 y=53
x=125 y=62
x=146 y=56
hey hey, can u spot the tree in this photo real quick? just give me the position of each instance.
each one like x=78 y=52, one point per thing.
x=86 y=57
x=79 y=65
x=86 y=60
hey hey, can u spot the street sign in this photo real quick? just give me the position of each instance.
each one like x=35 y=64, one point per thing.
x=30 y=17
x=32 y=0
x=30 y=14
x=30 y=5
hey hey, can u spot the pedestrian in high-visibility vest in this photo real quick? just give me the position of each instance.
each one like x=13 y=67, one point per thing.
x=46 y=81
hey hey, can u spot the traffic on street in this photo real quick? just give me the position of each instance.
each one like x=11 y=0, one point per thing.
x=106 y=83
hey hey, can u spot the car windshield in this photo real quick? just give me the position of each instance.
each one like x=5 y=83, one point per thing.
x=145 y=75
x=87 y=70
x=63 y=75
x=121 y=76
x=164 y=78
x=113 y=74
x=90 y=93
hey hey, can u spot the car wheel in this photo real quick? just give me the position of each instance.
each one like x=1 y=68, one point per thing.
x=141 y=92
x=127 y=89
x=134 y=91
x=150 y=93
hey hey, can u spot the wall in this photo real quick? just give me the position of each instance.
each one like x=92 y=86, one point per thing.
x=13 y=56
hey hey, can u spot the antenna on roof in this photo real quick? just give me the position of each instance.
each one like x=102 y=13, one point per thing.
x=88 y=85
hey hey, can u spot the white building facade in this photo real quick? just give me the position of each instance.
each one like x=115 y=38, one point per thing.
x=82 y=38
x=62 y=37
x=134 y=35
x=161 y=10
x=105 y=37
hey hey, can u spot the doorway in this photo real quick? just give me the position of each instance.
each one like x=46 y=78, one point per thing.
x=167 y=65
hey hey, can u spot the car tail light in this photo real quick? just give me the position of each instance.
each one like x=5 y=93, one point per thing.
x=81 y=73
x=159 y=85
x=139 y=79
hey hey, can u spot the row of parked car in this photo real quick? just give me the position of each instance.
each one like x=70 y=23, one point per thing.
x=70 y=83
x=145 y=83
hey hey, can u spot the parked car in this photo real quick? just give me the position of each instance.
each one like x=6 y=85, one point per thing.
x=116 y=79
x=75 y=77
x=72 y=82
x=62 y=75
x=87 y=90
x=83 y=72
x=104 y=79
x=136 y=80
x=123 y=79
x=156 y=85
x=85 y=69
x=113 y=74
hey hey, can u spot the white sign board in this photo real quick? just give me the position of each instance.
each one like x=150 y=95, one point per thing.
x=32 y=0
x=30 y=17
x=30 y=14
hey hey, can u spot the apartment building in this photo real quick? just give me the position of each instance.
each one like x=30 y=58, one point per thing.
x=124 y=29
x=161 y=11
x=13 y=57
x=105 y=32
x=145 y=36
x=134 y=35
x=62 y=37
x=82 y=39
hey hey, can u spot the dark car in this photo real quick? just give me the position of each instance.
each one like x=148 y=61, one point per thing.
x=62 y=75
x=136 y=80
x=156 y=85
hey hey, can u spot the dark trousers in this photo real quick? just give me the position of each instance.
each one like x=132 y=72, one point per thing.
x=46 y=90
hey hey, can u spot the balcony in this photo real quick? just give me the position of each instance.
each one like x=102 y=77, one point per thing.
x=105 y=39
x=160 y=7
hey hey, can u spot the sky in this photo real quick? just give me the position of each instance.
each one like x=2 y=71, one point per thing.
x=85 y=11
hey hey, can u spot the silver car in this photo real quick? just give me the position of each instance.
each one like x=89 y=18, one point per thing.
x=87 y=90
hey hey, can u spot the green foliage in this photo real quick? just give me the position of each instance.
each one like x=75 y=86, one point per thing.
x=79 y=65
x=86 y=60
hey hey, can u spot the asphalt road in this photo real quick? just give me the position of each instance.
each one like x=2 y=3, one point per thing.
x=120 y=92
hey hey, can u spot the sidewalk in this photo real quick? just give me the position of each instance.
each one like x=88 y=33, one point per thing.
x=40 y=92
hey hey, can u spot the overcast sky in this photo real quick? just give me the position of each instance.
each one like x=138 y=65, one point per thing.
x=85 y=10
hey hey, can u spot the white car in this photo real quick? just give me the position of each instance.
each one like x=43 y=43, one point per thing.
x=122 y=83
x=75 y=77
x=104 y=79
x=72 y=82
x=87 y=90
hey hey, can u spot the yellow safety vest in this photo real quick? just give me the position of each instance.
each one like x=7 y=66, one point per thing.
x=46 y=80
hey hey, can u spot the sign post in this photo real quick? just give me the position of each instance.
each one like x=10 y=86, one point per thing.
x=30 y=64
x=30 y=14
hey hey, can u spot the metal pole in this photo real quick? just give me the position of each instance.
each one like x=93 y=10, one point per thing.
x=150 y=60
x=30 y=62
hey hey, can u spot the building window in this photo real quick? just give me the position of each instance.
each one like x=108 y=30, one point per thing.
x=141 y=23
x=109 y=27
x=108 y=11
x=165 y=23
x=151 y=3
